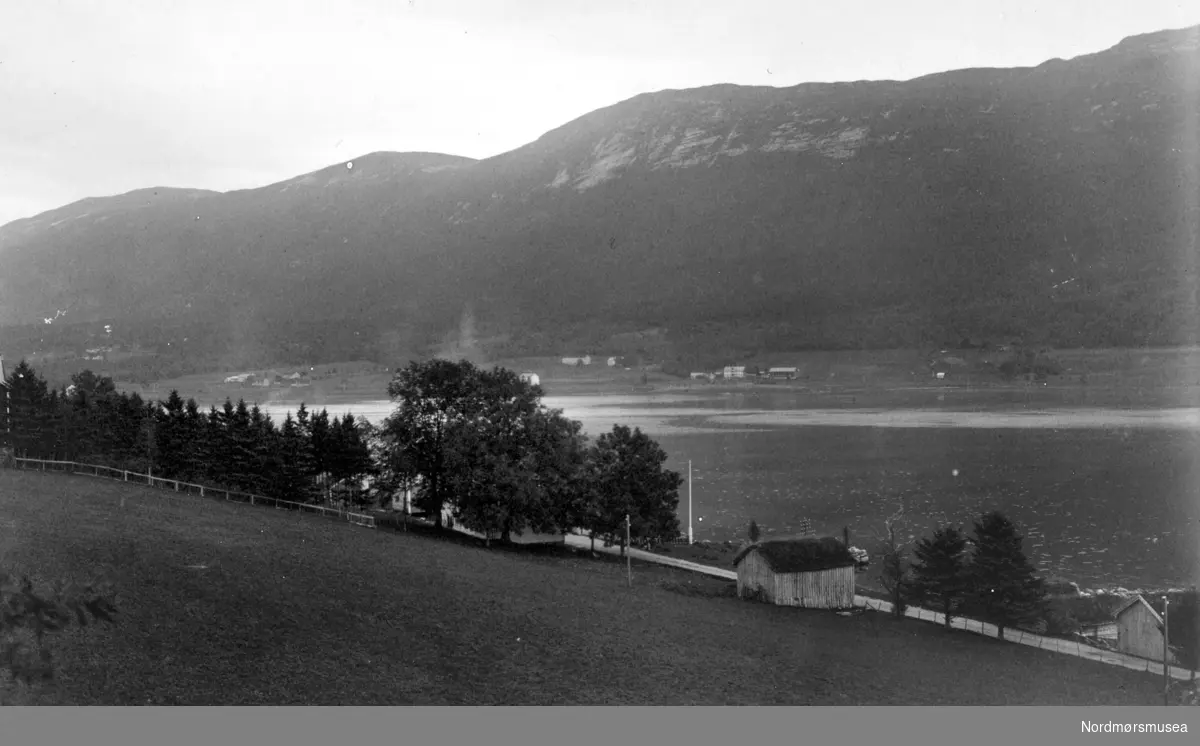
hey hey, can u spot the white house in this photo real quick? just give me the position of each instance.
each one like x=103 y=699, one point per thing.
x=525 y=537
x=585 y=360
x=531 y=378
x=735 y=371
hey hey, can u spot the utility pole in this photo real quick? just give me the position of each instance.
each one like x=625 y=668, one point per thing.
x=1166 y=654
x=689 y=502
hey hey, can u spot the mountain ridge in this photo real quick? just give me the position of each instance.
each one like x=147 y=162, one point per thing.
x=1049 y=202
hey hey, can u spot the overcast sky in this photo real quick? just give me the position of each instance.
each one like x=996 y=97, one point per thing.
x=107 y=96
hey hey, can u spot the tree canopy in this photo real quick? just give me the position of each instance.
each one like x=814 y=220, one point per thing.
x=939 y=573
x=626 y=476
x=1005 y=588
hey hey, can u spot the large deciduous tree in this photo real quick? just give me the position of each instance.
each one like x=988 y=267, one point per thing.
x=626 y=476
x=515 y=470
x=432 y=398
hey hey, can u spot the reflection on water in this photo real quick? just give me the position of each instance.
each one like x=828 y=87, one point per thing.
x=1105 y=496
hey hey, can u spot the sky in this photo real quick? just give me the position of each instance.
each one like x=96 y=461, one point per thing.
x=102 y=97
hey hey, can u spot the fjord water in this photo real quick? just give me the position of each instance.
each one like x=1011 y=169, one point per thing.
x=1105 y=495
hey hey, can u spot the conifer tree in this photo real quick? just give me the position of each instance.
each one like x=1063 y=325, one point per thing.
x=169 y=436
x=28 y=395
x=293 y=479
x=262 y=451
x=313 y=491
x=194 y=442
x=53 y=441
x=212 y=445
x=352 y=456
x=127 y=436
x=321 y=451
x=1004 y=586
x=241 y=447
x=939 y=573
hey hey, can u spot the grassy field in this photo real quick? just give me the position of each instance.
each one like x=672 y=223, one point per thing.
x=228 y=604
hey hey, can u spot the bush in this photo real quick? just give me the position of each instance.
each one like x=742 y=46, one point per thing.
x=28 y=616
x=1056 y=586
x=1060 y=622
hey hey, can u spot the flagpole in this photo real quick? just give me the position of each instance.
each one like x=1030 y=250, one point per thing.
x=689 y=502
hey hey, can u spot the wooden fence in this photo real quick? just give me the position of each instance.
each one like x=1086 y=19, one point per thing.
x=148 y=480
x=1021 y=637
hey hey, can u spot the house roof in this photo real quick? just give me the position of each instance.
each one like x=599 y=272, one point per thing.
x=1138 y=599
x=791 y=554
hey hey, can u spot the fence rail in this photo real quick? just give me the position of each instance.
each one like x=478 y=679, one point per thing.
x=1021 y=637
x=149 y=480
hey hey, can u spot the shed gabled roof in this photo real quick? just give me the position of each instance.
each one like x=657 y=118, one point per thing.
x=1139 y=599
x=786 y=555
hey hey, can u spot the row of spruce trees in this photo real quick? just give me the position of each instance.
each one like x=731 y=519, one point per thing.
x=235 y=447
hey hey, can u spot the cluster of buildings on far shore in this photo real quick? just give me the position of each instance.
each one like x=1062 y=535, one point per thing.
x=270 y=378
x=616 y=361
x=736 y=372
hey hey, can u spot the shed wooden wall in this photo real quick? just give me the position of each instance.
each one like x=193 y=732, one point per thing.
x=1138 y=633
x=1106 y=631
x=823 y=589
x=752 y=573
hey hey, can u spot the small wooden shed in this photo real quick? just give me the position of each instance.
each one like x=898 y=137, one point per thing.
x=1140 y=629
x=806 y=571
